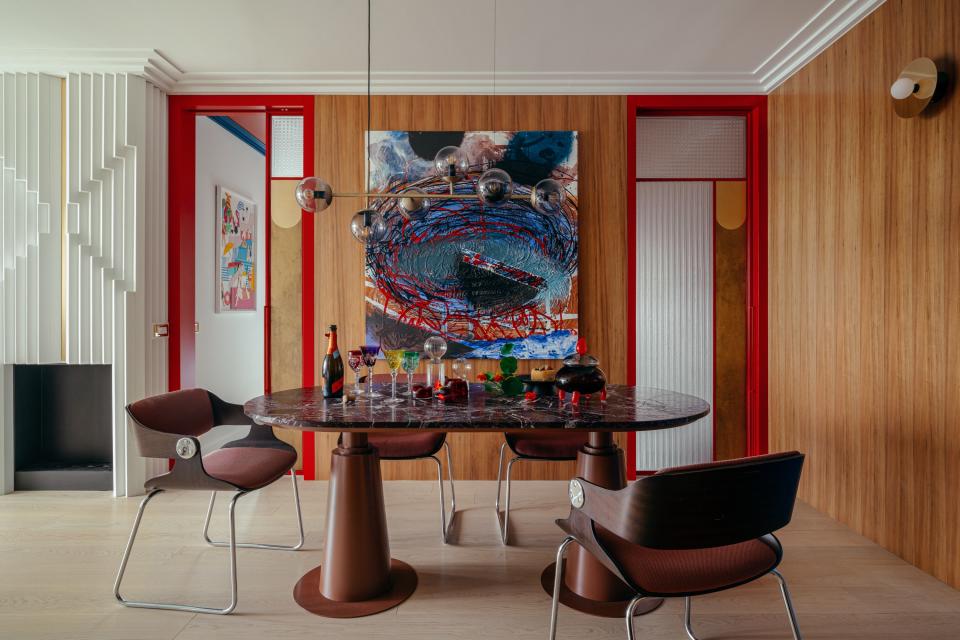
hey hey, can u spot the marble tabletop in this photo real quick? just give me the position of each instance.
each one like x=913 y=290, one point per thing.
x=625 y=409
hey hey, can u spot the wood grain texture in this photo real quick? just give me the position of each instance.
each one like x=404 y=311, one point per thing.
x=340 y=126
x=864 y=214
x=60 y=552
x=285 y=303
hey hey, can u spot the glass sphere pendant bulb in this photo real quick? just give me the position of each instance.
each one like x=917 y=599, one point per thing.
x=548 y=196
x=494 y=186
x=368 y=226
x=314 y=194
x=451 y=163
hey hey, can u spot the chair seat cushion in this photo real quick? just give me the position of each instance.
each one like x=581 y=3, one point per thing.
x=562 y=445
x=406 y=446
x=249 y=467
x=688 y=571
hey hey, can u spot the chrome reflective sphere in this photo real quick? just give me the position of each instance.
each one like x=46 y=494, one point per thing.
x=451 y=163
x=494 y=186
x=548 y=196
x=313 y=194
x=368 y=226
x=415 y=207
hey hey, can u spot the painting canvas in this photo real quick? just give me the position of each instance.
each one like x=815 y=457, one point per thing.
x=479 y=275
x=236 y=251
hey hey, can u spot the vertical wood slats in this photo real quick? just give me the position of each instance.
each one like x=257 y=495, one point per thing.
x=864 y=307
x=29 y=218
x=675 y=311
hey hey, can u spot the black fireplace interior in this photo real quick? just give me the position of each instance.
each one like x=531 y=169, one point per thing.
x=62 y=427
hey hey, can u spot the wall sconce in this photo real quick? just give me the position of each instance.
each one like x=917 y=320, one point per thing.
x=916 y=87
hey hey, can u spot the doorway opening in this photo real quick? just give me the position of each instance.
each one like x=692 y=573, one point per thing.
x=697 y=249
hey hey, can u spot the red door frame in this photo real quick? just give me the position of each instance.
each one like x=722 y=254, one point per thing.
x=181 y=248
x=754 y=109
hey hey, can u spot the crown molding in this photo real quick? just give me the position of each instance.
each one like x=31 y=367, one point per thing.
x=149 y=63
x=822 y=30
x=470 y=83
x=829 y=24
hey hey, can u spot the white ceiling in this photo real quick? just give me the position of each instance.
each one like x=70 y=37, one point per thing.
x=430 y=46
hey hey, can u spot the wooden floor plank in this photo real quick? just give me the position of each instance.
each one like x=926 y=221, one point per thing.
x=59 y=553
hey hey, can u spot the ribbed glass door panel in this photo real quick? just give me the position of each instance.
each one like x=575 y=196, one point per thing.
x=675 y=311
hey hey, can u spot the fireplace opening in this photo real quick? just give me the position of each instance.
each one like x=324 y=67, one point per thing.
x=63 y=427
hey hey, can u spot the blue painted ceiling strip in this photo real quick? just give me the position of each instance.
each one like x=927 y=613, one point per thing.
x=231 y=125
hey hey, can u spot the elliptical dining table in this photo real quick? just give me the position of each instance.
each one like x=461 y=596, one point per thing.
x=358 y=577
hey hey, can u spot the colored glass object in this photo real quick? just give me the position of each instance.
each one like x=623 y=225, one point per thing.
x=355 y=361
x=394 y=362
x=369 y=353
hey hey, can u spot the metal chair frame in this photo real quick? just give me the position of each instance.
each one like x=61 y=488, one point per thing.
x=446 y=523
x=188 y=473
x=629 y=618
x=693 y=507
x=503 y=517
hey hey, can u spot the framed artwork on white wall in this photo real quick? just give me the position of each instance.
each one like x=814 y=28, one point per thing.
x=236 y=252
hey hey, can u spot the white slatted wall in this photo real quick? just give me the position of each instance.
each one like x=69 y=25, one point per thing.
x=675 y=311
x=30 y=210
x=111 y=237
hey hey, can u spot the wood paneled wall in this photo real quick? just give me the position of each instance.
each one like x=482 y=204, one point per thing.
x=865 y=286
x=340 y=126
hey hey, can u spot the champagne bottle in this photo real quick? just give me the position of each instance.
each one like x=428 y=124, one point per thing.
x=332 y=367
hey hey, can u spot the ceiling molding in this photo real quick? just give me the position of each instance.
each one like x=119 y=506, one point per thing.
x=822 y=30
x=149 y=63
x=829 y=24
x=468 y=83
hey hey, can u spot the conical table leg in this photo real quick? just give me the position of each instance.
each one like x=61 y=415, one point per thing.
x=358 y=577
x=587 y=585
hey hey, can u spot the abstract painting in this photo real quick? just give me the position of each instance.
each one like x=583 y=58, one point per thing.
x=479 y=275
x=236 y=251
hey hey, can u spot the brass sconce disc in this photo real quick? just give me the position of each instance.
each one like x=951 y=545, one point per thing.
x=923 y=73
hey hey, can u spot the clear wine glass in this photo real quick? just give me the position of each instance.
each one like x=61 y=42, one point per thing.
x=434 y=348
x=394 y=361
x=355 y=361
x=369 y=354
x=411 y=360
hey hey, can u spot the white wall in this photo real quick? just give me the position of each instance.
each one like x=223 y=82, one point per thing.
x=229 y=348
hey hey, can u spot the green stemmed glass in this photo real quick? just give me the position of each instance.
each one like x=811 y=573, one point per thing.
x=394 y=361
x=411 y=360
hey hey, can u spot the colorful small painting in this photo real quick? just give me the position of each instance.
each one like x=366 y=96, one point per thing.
x=237 y=252
x=480 y=275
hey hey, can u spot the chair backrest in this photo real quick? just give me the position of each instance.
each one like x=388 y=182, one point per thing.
x=187 y=412
x=714 y=504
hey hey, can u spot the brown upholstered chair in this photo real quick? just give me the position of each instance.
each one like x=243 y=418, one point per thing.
x=547 y=447
x=687 y=531
x=169 y=426
x=420 y=446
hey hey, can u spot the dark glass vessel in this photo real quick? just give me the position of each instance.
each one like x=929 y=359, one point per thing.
x=333 y=370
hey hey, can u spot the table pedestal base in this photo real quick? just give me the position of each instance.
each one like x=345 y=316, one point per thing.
x=587 y=585
x=403 y=582
x=358 y=577
x=602 y=608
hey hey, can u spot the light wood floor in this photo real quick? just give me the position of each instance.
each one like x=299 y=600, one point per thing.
x=59 y=553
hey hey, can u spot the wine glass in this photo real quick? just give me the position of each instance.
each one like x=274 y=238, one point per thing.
x=411 y=360
x=435 y=347
x=369 y=354
x=355 y=360
x=394 y=360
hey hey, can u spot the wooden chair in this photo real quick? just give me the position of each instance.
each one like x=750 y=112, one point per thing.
x=687 y=531
x=169 y=426
x=552 y=447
